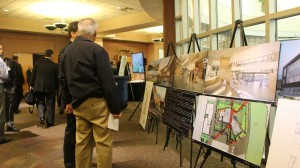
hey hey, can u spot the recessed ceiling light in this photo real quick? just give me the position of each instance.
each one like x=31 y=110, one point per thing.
x=5 y=10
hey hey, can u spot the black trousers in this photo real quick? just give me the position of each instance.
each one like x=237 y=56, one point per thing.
x=18 y=98
x=70 y=141
x=9 y=98
x=46 y=106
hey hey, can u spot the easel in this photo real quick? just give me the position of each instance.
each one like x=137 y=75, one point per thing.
x=153 y=121
x=208 y=151
x=192 y=41
x=138 y=106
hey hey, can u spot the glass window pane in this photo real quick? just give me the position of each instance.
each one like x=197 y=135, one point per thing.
x=286 y=31
x=287 y=4
x=255 y=34
x=224 y=13
x=252 y=9
x=190 y=16
x=224 y=40
x=204 y=16
x=205 y=44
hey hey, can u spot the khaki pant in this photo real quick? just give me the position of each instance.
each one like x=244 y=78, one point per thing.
x=91 y=122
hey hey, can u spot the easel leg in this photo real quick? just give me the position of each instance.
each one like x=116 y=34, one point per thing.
x=233 y=162
x=150 y=119
x=169 y=130
x=137 y=107
x=208 y=152
x=180 y=146
x=157 y=123
x=198 y=155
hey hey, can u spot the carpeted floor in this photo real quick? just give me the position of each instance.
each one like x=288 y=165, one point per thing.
x=35 y=147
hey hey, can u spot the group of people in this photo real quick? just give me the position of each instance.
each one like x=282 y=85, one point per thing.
x=87 y=91
x=11 y=92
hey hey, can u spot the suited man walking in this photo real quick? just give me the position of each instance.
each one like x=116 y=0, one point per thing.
x=44 y=81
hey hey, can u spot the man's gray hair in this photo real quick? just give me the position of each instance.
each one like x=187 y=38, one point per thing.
x=87 y=26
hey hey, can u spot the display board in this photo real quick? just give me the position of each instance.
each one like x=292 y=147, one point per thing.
x=137 y=62
x=157 y=101
x=161 y=71
x=246 y=72
x=289 y=69
x=190 y=72
x=285 y=147
x=234 y=126
x=145 y=105
x=179 y=109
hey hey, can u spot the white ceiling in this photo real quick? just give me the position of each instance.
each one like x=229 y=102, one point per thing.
x=103 y=9
x=62 y=10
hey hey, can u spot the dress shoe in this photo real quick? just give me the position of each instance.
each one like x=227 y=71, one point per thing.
x=42 y=120
x=12 y=129
x=4 y=140
x=47 y=125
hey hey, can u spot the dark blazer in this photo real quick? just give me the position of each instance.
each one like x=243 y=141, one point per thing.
x=44 y=77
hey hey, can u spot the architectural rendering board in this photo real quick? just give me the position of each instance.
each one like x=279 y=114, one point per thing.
x=157 y=101
x=161 y=71
x=289 y=69
x=246 y=72
x=190 y=72
x=233 y=126
x=179 y=109
x=285 y=149
x=145 y=105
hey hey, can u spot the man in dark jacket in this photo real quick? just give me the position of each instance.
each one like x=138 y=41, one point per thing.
x=19 y=86
x=86 y=70
x=64 y=99
x=10 y=86
x=44 y=81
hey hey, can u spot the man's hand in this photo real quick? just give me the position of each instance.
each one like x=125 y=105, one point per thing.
x=69 y=109
x=117 y=115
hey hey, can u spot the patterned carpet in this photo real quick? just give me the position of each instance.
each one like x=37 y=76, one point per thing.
x=35 y=147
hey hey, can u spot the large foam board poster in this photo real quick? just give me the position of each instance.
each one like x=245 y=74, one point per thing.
x=145 y=105
x=289 y=69
x=157 y=101
x=161 y=71
x=233 y=126
x=190 y=71
x=246 y=72
x=285 y=147
x=179 y=109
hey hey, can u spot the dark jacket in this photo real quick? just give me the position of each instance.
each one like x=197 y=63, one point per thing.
x=86 y=70
x=28 y=75
x=44 y=77
x=64 y=96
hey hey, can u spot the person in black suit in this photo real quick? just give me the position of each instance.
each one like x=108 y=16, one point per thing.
x=28 y=74
x=19 y=86
x=44 y=81
x=64 y=99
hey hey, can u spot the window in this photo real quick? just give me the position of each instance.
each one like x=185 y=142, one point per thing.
x=224 y=40
x=252 y=9
x=205 y=44
x=204 y=16
x=286 y=4
x=286 y=31
x=224 y=13
x=255 y=34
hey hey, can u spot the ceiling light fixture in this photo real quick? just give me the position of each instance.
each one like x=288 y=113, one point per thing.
x=62 y=26
x=50 y=27
x=5 y=10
